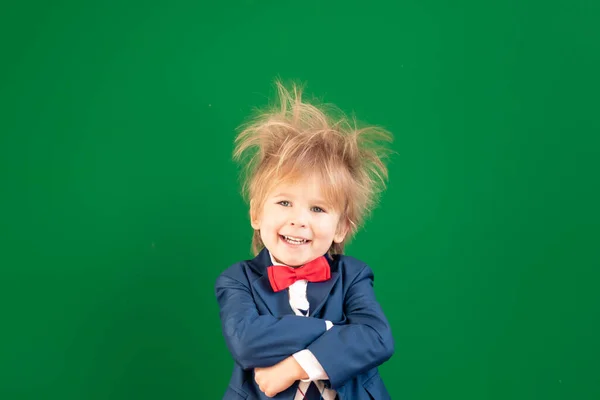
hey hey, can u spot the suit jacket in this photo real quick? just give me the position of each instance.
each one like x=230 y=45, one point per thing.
x=260 y=328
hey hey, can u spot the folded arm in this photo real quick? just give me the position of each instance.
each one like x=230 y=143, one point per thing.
x=345 y=351
x=260 y=340
x=309 y=363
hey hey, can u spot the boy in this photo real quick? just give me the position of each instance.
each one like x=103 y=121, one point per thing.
x=300 y=319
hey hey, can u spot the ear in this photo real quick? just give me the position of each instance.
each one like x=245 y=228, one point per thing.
x=254 y=215
x=342 y=231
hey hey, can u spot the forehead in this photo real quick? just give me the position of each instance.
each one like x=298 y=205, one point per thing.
x=302 y=186
x=311 y=187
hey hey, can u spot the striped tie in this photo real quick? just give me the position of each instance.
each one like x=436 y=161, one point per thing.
x=312 y=393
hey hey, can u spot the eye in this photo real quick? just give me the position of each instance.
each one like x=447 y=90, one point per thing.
x=317 y=209
x=284 y=203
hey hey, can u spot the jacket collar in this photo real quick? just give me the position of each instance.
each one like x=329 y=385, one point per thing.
x=278 y=302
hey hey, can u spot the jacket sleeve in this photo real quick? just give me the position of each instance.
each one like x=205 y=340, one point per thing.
x=366 y=341
x=260 y=340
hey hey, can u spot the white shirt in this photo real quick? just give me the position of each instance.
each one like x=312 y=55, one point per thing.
x=306 y=359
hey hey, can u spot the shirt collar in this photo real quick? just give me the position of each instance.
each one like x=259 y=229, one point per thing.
x=275 y=262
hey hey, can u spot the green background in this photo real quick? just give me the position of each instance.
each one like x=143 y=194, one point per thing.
x=120 y=203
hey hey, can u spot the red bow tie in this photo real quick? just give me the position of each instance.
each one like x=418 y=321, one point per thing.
x=282 y=276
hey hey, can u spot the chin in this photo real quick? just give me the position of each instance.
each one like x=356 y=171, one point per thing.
x=291 y=261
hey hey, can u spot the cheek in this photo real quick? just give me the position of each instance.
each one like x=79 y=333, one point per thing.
x=326 y=227
x=274 y=219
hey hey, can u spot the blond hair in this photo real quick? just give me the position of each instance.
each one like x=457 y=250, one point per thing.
x=295 y=138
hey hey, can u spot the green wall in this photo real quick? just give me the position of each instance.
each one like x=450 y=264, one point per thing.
x=119 y=204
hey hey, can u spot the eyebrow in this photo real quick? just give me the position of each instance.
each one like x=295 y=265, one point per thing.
x=282 y=195
x=314 y=201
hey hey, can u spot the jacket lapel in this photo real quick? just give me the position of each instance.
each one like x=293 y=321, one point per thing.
x=317 y=293
x=276 y=302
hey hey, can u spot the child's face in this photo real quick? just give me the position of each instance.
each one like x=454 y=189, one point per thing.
x=296 y=224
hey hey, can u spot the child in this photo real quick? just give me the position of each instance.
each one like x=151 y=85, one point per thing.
x=300 y=319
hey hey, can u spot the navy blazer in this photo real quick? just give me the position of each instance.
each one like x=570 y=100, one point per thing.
x=261 y=329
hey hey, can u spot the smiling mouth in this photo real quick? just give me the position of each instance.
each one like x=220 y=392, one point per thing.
x=293 y=240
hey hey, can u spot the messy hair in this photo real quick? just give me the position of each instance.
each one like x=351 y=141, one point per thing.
x=294 y=139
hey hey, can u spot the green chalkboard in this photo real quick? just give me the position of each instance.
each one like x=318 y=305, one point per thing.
x=120 y=205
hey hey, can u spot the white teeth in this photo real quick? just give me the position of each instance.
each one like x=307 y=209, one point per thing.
x=294 y=240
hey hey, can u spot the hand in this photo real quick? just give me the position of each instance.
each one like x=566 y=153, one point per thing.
x=275 y=379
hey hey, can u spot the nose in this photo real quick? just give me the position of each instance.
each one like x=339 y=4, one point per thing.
x=298 y=218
